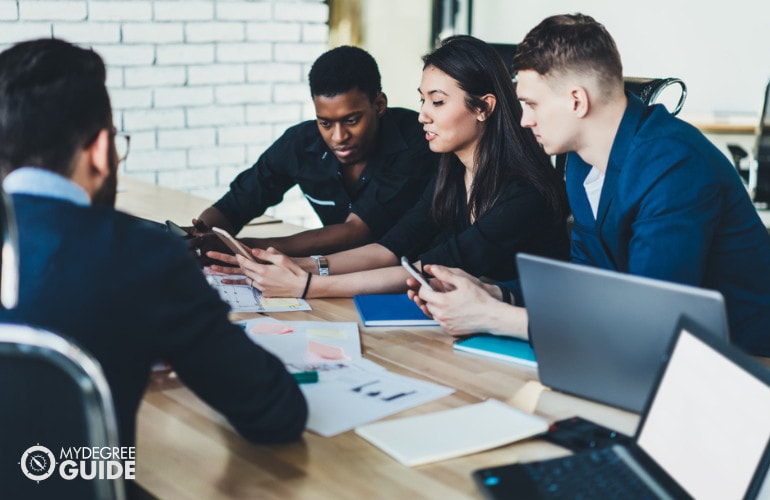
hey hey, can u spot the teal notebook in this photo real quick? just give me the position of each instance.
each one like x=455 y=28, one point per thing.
x=500 y=347
x=390 y=310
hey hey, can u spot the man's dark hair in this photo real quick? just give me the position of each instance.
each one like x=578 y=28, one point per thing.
x=570 y=42
x=53 y=100
x=342 y=69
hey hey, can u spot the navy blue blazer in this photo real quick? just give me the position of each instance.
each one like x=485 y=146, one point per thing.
x=674 y=208
x=131 y=294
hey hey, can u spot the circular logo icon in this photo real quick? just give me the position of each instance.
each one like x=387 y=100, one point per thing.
x=38 y=463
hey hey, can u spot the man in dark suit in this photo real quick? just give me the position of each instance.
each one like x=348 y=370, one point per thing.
x=126 y=291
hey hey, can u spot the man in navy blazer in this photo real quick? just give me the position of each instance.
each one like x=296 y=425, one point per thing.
x=123 y=289
x=649 y=193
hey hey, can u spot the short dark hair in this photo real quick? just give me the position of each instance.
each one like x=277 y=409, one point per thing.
x=342 y=69
x=53 y=100
x=570 y=42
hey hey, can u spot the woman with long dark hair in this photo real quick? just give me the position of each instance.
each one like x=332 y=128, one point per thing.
x=496 y=192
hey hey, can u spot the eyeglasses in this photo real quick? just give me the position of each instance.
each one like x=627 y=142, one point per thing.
x=122 y=143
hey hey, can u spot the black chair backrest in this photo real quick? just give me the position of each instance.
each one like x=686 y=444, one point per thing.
x=651 y=90
x=506 y=51
x=53 y=397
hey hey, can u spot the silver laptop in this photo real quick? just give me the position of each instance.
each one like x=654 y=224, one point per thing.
x=704 y=434
x=601 y=334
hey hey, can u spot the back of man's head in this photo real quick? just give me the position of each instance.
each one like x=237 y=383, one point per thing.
x=53 y=100
x=572 y=43
x=343 y=69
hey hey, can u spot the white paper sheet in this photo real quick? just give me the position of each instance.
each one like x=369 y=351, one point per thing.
x=349 y=392
x=292 y=347
x=243 y=298
x=464 y=430
x=356 y=394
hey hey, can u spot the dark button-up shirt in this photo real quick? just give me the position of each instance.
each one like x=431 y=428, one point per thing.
x=395 y=175
x=519 y=221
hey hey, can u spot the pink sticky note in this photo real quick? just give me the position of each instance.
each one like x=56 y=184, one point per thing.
x=326 y=351
x=270 y=328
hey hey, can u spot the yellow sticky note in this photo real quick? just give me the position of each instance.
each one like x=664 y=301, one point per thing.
x=270 y=328
x=278 y=302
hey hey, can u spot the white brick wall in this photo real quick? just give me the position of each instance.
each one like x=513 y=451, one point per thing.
x=236 y=11
x=8 y=11
x=202 y=86
x=120 y=10
x=152 y=32
x=53 y=10
x=187 y=138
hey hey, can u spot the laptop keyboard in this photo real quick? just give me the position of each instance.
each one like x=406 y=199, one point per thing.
x=587 y=475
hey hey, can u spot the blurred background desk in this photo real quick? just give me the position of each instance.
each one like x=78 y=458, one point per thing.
x=160 y=203
x=186 y=450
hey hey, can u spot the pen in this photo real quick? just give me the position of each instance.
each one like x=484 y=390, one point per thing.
x=310 y=377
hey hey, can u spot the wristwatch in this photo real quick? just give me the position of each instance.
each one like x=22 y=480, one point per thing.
x=323 y=264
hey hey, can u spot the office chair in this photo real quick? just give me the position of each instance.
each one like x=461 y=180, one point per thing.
x=757 y=175
x=54 y=395
x=657 y=91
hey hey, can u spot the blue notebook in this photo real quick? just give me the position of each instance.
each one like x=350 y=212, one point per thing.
x=500 y=347
x=390 y=310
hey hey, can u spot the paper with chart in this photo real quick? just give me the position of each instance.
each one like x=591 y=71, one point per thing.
x=365 y=390
x=302 y=342
x=244 y=298
x=358 y=394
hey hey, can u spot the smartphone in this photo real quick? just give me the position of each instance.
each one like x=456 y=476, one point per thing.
x=177 y=230
x=415 y=273
x=236 y=246
x=578 y=434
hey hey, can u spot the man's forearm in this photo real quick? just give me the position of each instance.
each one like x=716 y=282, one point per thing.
x=325 y=240
x=383 y=280
x=212 y=217
x=503 y=319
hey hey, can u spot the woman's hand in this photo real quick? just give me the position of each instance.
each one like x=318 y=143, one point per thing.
x=458 y=302
x=276 y=275
x=231 y=267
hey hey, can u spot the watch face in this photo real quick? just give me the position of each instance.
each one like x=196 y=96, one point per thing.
x=323 y=264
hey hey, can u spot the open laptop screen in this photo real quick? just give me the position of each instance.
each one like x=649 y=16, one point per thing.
x=708 y=424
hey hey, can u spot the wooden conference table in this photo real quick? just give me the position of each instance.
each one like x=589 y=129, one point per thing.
x=186 y=450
